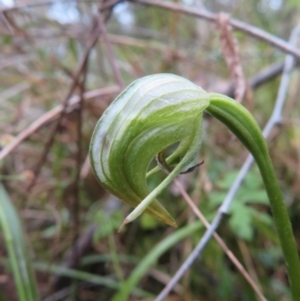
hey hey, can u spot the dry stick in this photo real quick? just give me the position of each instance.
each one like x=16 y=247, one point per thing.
x=79 y=145
x=52 y=114
x=91 y=42
x=163 y=278
x=252 y=30
x=16 y=59
x=230 y=52
x=35 y=3
x=219 y=240
x=14 y=90
x=6 y=22
x=142 y=43
x=10 y=24
x=248 y=260
x=27 y=4
x=117 y=74
x=258 y=79
x=249 y=29
x=86 y=167
x=223 y=210
x=109 y=4
x=84 y=244
x=110 y=53
x=76 y=195
x=79 y=136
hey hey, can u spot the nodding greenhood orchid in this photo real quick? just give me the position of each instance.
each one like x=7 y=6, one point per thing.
x=157 y=111
x=151 y=114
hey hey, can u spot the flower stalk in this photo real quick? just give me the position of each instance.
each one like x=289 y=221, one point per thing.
x=244 y=126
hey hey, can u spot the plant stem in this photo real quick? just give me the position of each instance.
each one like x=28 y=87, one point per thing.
x=283 y=225
x=244 y=126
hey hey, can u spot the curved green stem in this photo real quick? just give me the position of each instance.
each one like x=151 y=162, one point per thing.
x=244 y=126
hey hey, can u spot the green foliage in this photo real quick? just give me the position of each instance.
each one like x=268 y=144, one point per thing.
x=87 y=277
x=73 y=48
x=7 y=39
x=107 y=223
x=151 y=258
x=18 y=254
x=252 y=192
x=54 y=230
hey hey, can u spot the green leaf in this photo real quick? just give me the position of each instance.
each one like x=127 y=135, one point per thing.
x=86 y=277
x=17 y=249
x=73 y=48
x=7 y=39
x=240 y=221
x=107 y=223
x=263 y=217
x=227 y=181
x=138 y=272
x=254 y=197
x=253 y=180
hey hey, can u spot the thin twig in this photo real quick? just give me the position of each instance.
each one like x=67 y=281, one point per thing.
x=14 y=90
x=15 y=60
x=14 y=29
x=52 y=115
x=164 y=279
x=28 y=4
x=221 y=243
x=90 y=44
x=109 y=4
x=76 y=194
x=142 y=43
x=85 y=169
x=6 y=22
x=263 y=76
x=248 y=261
x=78 y=250
x=110 y=53
x=230 y=52
x=223 y=210
x=83 y=244
x=209 y=16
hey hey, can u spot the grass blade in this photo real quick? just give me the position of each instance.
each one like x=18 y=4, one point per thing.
x=16 y=247
x=130 y=284
x=87 y=277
